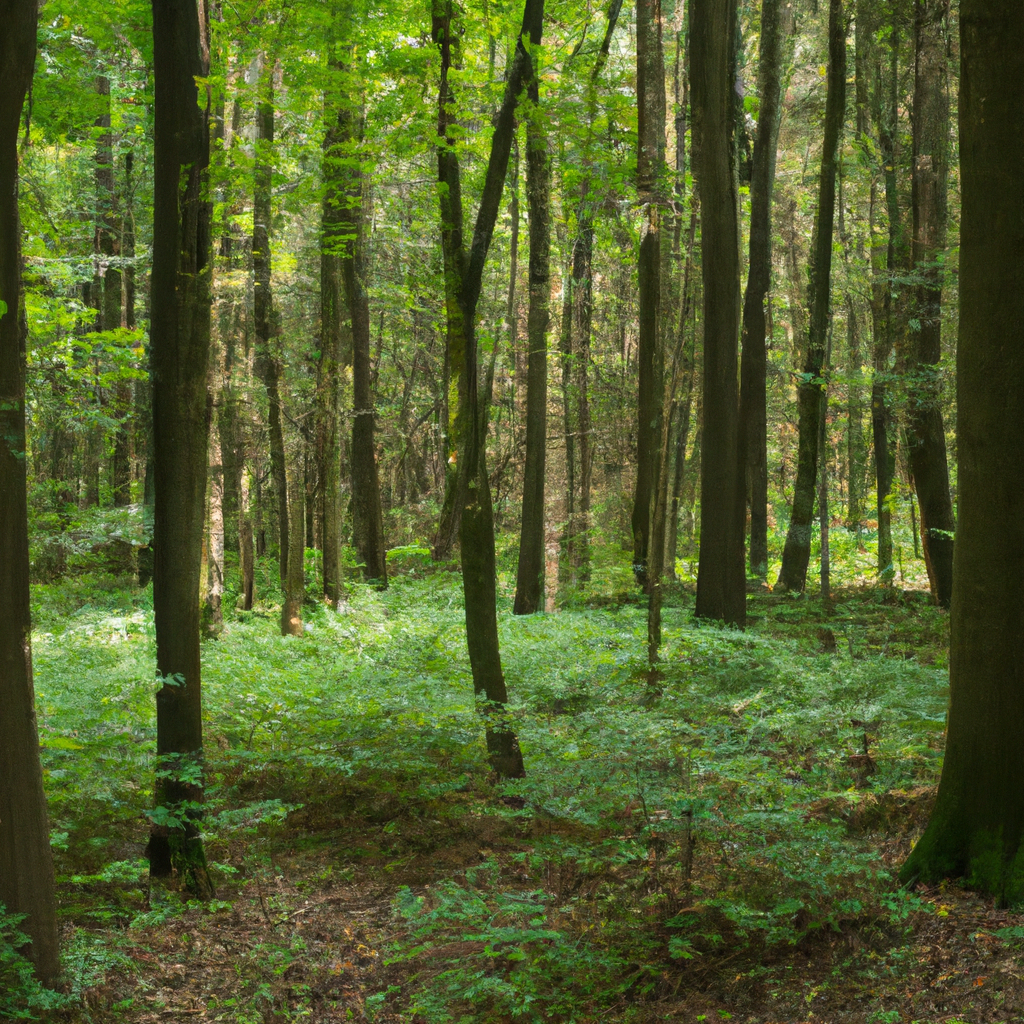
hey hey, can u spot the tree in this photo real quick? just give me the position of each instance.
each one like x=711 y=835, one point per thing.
x=977 y=826
x=464 y=278
x=797 y=552
x=753 y=369
x=650 y=179
x=927 y=433
x=721 y=590
x=26 y=864
x=180 y=339
x=530 y=570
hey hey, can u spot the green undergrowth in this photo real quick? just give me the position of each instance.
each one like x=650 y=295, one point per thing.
x=729 y=811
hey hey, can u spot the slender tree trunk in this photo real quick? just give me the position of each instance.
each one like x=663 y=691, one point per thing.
x=215 y=553
x=26 y=863
x=651 y=173
x=926 y=431
x=721 y=580
x=245 y=545
x=268 y=363
x=530 y=571
x=294 y=583
x=796 y=554
x=477 y=530
x=180 y=335
x=367 y=511
x=855 y=427
x=977 y=826
x=753 y=371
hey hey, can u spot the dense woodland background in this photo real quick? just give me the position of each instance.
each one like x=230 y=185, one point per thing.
x=637 y=316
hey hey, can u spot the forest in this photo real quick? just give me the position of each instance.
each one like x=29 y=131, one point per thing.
x=511 y=511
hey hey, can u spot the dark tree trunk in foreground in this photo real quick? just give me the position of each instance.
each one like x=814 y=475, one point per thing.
x=721 y=580
x=465 y=272
x=268 y=363
x=26 y=865
x=530 y=570
x=797 y=552
x=977 y=826
x=753 y=372
x=927 y=433
x=650 y=175
x=180 y=335
x=367 y=512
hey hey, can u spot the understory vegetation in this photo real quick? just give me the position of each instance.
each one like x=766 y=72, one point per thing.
x=715 y=842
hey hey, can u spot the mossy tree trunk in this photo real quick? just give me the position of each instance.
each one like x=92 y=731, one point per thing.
x=180 y=333
x=976 y=829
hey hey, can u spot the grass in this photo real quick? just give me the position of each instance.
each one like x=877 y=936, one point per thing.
x=720 y=846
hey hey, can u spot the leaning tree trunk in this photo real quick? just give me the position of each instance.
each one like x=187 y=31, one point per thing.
x=476 y=535
x=180 y=333
x=530 y=570
x=924 y=416
x=797 y=552
x=268 y=363
x=977 y=826
x=753 y=371
x=721 y=581
x=26 y=864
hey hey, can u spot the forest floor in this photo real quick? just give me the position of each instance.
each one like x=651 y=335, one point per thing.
x=719 y=846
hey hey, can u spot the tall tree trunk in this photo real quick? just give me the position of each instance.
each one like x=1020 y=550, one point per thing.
x=855 y=427
x=651 y=174
x=753 y=370
x=926 y=432
x=367 y=511
x=268 y=363
x=530 y=570
x=294 y=584
x=26 y=863
x=332 y=311
x=215 y=551
x=477 y=530
x=180 y=333
x=721 y=580
x=796 y=554
x=977 y=826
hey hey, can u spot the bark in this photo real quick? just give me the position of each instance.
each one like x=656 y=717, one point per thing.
x=367 y=511
x=245 y=545
x=265 y=321
x=753 y=369
x=977 y=825
x=294 y=583
x=721 y=582
x=332 y=310
x=26 y=863
x=855 y=431
x=651 y=173
x=214 y=618
x=530 y=570
x=476 y=535
x=796 y=554
x=180 y=338
x=926 y=431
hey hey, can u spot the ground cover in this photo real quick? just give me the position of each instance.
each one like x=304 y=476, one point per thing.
x=719 y=845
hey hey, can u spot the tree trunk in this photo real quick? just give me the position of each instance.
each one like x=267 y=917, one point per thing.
x=721 y=580
x=651 y=173
x=214 y=619
x=977 y=825
x=855 y=424
x=367 y=512
x=180 y=333
x=796 y=554
x=926 y=432
x=753 y=371
x=476 y=535
x=530 y=570
x=26 y=863
x=294 y=582
x=268 y=363
x=332 y=309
